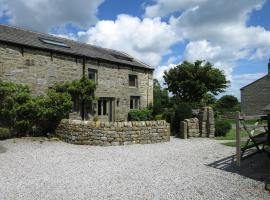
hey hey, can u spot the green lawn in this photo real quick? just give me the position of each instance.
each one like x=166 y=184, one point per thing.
x=249 y=121
x=233 y=144
x=232 y=135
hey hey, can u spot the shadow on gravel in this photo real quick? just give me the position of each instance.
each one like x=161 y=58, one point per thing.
x=256 y=167
x=2 y=149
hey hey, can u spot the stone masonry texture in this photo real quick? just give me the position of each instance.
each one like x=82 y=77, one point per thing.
x=255 y=97
x=41 y=69
x=113 y=133
x=201 y=126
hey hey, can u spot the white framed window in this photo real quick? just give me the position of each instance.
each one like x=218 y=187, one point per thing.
x=133 y=80
x=134 y=102
x=102 y=107
x=92 y=74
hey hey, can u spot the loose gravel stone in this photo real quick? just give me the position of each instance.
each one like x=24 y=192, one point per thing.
x=180 y=169
x=2 y=149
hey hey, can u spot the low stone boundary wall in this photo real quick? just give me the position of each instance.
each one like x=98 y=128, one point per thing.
x=113 y=133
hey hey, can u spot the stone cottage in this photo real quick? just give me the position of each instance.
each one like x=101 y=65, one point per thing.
x=256 y=96
x=41 y=60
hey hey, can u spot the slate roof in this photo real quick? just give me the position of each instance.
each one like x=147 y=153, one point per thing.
x=28 y=38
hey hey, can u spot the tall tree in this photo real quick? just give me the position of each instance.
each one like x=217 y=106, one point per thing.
x=227 y=102
x=191 y=82
x=161 y=98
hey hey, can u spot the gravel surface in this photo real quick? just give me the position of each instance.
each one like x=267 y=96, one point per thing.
x=2 y=149
x=180 y=169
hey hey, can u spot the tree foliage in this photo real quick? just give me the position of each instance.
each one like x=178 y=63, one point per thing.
x=191 y=82
x=26 y=114
x=227 y=103
x=161 y=98
x=82 y=90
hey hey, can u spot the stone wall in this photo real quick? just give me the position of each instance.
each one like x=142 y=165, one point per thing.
x=41 y=69
x=113 y=133
x=201 y=126
x=255 y=97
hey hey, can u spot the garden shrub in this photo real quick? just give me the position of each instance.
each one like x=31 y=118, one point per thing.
x=4 y=133
x=222 y=127
x=182 y=111
x=25 y=114
x=158 y=117
x=53 y=108
x=140 y=115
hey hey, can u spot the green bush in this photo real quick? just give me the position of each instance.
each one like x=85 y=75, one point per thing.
x=53 y=108
x=182 y=111
x=4 y=133
x=140 y=115
x=25 y=114
x=158 y=117
x=222 y=128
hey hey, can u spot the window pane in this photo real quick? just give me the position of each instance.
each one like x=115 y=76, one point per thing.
x=92 y=74
x=133 y=80
x=136 y=103
x=131 y=103
x=104 y=107
x=99 y=107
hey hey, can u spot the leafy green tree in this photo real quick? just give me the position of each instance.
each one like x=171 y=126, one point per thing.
x=227 y=103
x=161 y=98
x=191 y=82
x=54 y=107
x=82 y=90
x=209 y=99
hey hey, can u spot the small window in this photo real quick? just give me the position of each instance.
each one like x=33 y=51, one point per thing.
x=134 y=102
x=102 y=107
x=133 y=80
x=54 y=42
x=92 y=75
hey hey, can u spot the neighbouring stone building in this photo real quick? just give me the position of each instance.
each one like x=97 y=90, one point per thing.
x=256 y=96
x=41 y=60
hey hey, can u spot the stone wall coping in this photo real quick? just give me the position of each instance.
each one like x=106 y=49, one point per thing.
x=99 y=124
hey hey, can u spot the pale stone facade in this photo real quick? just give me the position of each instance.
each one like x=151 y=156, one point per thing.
x=41 y=68
x=255 y=96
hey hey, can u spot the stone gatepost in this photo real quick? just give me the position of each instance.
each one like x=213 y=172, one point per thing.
x=210 y=122
x=183 y=130
x=203 y=121
x=207 y=122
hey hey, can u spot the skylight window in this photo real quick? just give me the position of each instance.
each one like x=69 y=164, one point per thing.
x=120 y=57
x=54 y=42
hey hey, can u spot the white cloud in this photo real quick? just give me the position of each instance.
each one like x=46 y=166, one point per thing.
x=147 y=39
x=216 y=31
x=42 y=15
x=164 y=7
x=159 y=71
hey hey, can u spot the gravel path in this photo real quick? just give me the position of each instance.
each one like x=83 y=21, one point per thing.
x=175 y=170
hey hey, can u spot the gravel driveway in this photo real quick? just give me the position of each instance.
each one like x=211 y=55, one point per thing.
x=180 y=169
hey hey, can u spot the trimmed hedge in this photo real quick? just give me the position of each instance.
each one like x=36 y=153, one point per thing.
x=5 y=133
x=222 y=128
x=140 y=115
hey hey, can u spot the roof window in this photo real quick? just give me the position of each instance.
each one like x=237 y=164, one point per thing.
x=54 y=42
x=120 y=57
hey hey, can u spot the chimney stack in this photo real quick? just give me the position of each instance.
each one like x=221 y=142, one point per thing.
x=269 y=67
